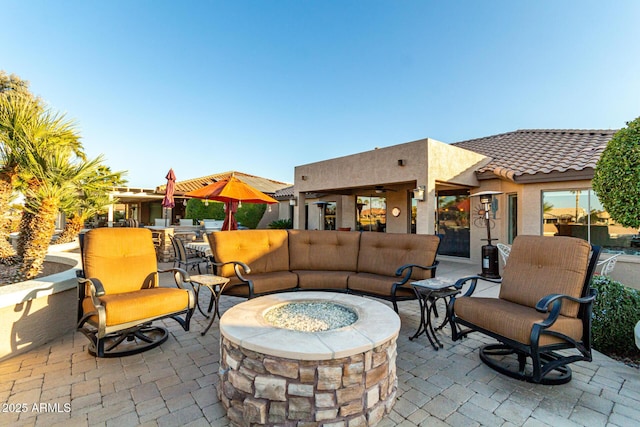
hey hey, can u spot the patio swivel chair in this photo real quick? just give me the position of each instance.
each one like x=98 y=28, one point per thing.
x=544 y=305
x=118 y=293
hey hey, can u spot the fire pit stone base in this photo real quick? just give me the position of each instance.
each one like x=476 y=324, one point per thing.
x=352 y=391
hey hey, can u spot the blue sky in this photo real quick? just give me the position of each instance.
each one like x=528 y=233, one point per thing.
x=262 y=86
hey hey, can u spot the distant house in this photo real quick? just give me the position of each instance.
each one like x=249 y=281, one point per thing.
x=145 y=205
x=426 y=186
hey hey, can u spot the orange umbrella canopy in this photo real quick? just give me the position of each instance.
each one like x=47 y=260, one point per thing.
x=231 y=189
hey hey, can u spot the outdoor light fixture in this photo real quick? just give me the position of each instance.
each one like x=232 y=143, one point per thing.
x=490 y=267
x=293 y=202
x=418 y=193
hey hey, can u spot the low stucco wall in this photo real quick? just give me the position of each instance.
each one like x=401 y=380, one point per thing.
x=35 y=312
x=627 y=270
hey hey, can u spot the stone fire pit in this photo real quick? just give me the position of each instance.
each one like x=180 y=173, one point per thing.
x=274 y=376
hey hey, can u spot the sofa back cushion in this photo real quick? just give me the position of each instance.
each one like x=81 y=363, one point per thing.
x=264 y=251
x=323 y=250
x=383 y=253
x=124 y=259
x=539 y=266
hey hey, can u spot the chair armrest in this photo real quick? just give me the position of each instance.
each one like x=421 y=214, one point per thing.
x=555 y=300
x=180 y=276
x=96 y=287
x=474 y=281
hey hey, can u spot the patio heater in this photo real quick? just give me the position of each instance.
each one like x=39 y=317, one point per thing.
x=490 y=268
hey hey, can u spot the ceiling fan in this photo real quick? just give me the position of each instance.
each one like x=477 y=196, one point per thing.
x=379 y=189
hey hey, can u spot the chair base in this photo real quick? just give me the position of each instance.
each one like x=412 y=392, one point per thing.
x=513 y=363
x=127 y=342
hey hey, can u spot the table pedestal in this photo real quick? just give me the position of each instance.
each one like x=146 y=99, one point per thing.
x=216 y=285
x=427 y=298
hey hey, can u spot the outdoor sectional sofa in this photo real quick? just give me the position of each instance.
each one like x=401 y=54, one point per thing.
x=261 y=262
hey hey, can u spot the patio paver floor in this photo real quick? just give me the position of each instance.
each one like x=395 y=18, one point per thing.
x=175 y=384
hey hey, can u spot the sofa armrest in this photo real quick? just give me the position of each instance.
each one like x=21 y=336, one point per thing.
x=237 y=265
x=407 y=270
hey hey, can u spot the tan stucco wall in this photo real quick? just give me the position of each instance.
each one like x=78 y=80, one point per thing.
x=379 y=166
x=425 y=163
x=30 y=324
x=447 y=164
x=37 y=311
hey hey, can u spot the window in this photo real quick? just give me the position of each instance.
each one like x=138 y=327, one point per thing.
x=579 y=213
x=372 y=213
x=330 y=216
x=452 y=223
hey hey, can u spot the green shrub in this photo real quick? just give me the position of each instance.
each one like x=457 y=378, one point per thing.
x=282 y=224
x=196 y=209
x=250 y=214
x=616 y=311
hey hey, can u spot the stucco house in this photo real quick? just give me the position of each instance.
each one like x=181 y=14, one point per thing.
x=426 y=186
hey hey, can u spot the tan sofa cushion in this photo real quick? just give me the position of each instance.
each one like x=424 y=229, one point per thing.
x=262 y=283
x=378 y=285
x=512 y=320
x=310 y=279
x=120 y=268
x=264 y=251
x=383 y=253
x=323 y=250
x=539 y=266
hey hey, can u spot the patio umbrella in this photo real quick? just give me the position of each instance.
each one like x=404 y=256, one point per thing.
x=167 y=201
x=230 y=209
x=231 y=190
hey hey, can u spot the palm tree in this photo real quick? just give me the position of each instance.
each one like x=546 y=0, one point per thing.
x=28 y=130
x=12 y=112
x=91 y=197
x=54 y=176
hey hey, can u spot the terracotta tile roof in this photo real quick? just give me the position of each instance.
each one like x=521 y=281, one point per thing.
x=285 y=193
x=540 y=154
x=265 y=185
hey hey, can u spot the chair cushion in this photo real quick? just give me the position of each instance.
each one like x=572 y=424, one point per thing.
x=539 y=266
x=513 y=321
x=120 y=267
x=262 y=283
x=264 y=251
x=140 y=305
x=310 y=279
x=375 y=284
x=323 y=250
x=383 y=253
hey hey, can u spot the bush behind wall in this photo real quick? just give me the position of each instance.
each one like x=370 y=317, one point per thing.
x=616 y=311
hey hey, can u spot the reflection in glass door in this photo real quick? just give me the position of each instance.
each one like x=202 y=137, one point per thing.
x=413 y=212
x=452 y=223
x=372 y=213
x=512 y=231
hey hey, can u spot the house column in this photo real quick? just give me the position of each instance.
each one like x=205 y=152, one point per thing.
x=299 y=222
